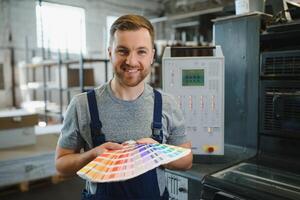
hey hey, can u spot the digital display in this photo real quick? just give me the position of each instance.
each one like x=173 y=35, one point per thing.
x=193 y=77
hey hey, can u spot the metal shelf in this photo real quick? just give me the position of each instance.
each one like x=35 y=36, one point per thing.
x=48 y=86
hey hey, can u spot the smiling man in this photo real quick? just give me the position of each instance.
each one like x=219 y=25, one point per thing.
x=131 y=54
x=125 y=108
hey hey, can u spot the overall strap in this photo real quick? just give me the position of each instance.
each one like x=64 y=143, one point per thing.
x=157 y=133
x=97 y=137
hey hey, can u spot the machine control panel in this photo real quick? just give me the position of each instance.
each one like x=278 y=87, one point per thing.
x=177 y=187
x=197 y=83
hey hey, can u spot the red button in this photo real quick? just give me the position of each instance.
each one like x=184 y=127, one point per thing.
x=210 y=149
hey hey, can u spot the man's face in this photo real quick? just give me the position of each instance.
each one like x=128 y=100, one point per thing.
x=131 y=54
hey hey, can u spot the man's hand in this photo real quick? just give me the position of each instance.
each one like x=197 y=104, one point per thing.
x=183 y=163
x=106 y=146
x=180 y=164
x=69 y=161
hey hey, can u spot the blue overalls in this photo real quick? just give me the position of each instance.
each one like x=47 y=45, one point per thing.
x=143 y=187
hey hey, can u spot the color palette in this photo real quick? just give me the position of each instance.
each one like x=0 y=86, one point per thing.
x=133 y=160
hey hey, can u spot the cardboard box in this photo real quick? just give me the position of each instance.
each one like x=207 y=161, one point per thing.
x=246 y=6
x=70 y=77
x=12 y=119
x=73 y=77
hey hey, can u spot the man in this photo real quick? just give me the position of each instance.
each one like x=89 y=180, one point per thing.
x=125 y=108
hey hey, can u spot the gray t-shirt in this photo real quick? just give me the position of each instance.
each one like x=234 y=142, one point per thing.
x=121 y=121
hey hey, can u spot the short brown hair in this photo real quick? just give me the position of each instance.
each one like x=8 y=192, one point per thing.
x=131 y=23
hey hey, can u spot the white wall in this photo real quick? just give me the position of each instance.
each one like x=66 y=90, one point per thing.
x=19 y=18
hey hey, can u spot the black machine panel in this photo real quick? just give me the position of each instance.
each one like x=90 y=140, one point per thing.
x=252 y=182
x=280 y=64
x=273 y=173
x=280 y=108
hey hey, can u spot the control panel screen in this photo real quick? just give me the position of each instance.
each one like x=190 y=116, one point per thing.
x=193 y=77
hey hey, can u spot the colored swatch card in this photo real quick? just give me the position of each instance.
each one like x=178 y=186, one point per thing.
x=130 y=161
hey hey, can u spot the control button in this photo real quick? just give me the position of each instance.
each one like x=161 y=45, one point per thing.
x=210 y=149
x=201 y=103
x=181 y=189
x=190 y=103
x=213 y=103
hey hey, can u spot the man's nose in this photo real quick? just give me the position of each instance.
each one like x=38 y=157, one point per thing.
x=131 y=59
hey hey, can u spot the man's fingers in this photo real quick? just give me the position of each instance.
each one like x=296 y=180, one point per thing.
x=112 y=146
x=106 y=146
x=146 y=141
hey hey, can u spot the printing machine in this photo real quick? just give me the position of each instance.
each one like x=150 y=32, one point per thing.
x=273 y=173
x=261 y=117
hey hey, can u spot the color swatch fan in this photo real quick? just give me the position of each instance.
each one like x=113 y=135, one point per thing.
x=130 y=161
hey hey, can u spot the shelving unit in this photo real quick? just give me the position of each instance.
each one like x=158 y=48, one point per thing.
x=61 y=84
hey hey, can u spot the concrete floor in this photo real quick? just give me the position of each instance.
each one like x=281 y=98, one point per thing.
x=66 y=190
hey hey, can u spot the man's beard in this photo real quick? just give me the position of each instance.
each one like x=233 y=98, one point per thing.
x=131 y=81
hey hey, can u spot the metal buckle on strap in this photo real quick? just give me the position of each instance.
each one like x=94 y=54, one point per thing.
x=156 y=125
x=158 y=137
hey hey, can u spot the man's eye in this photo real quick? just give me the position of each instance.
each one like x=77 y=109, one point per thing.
x=122 y=52
x=142 y=52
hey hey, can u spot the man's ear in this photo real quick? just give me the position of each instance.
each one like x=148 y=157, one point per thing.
x=153 y=54
x=109 y=52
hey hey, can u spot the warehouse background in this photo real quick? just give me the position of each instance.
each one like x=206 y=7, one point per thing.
x=19 y=39
x=42 y=66
x=18 y=27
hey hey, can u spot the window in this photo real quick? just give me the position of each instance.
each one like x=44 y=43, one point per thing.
x=60 y=27
x=1 y=77
x=109 y=21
